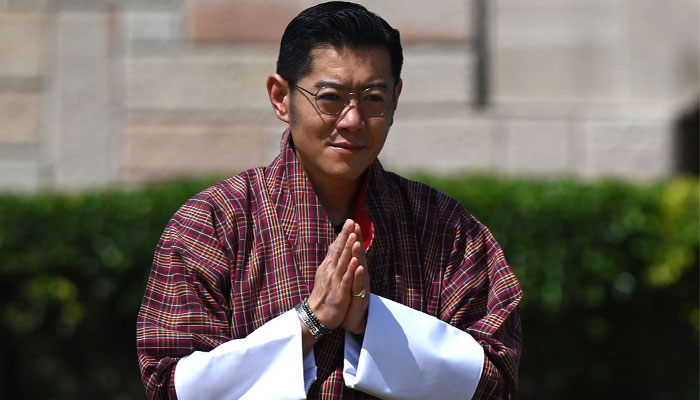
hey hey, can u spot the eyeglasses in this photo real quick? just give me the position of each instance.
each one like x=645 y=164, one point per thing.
x=371 y=102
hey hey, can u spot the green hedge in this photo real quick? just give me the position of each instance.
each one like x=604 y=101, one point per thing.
x=609 y=271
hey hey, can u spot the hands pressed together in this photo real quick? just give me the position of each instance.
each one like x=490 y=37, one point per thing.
x=340 y=279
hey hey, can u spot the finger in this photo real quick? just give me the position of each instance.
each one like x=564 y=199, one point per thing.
x=327 y=264
x=340 y=241
x=331 y=250
x=357 y=250
x=358 y=232
x=345 y=256
x=364 y=273
x=358 y=283
x=347 y=283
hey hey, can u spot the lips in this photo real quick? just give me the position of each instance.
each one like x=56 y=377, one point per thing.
x=347 y=147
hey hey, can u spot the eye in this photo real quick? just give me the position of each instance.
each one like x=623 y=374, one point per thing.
x=374 y=96
x=328 y=96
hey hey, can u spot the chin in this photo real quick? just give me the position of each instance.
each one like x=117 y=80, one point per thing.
x=349 y=174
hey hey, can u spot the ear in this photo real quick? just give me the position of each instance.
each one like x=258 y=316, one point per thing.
x=278 y=91
x=397 y=92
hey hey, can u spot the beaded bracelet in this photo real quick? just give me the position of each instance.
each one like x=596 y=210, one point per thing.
x=322 y=327
x=317 y=328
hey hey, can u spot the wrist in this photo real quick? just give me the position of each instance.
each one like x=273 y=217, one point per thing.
x=320 y=313
x=361 y=327
x=357 y=327
x=306 y=333
x=310 y=321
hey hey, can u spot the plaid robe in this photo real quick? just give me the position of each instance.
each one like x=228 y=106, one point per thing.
x=245 y=251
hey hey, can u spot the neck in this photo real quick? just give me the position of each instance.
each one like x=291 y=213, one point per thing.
x=337 y=198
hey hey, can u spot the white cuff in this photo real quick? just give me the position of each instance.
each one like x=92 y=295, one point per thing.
x=268 y=363
x=408 y=354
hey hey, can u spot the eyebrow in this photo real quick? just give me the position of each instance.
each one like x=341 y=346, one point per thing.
x=336 y=85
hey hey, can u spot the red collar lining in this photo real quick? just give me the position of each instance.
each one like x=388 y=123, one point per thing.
x=362 y=218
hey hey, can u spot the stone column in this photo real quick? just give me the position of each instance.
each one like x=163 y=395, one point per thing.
x=86 y=147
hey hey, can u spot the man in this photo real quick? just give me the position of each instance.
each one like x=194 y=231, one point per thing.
x=261 y=284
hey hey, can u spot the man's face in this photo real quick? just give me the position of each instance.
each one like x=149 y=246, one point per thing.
x=338 y=148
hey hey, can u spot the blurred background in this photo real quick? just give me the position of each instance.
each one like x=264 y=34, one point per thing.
x=570 y=128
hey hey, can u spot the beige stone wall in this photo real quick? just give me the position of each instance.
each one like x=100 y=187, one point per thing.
x=97 y=92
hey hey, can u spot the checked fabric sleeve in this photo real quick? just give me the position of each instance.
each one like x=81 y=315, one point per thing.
x=185 y=306
x=478 y=279
x=185 y=345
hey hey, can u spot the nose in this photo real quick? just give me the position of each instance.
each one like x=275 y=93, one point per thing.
x=351 y=119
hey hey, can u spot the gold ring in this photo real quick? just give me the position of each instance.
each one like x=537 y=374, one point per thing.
x=361 y=295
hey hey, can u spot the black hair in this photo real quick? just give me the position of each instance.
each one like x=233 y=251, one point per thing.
x=338 y=24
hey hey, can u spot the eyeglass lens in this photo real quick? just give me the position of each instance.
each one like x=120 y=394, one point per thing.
x=371 y=101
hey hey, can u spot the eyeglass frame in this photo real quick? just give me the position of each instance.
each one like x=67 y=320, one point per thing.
x=359 y=99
